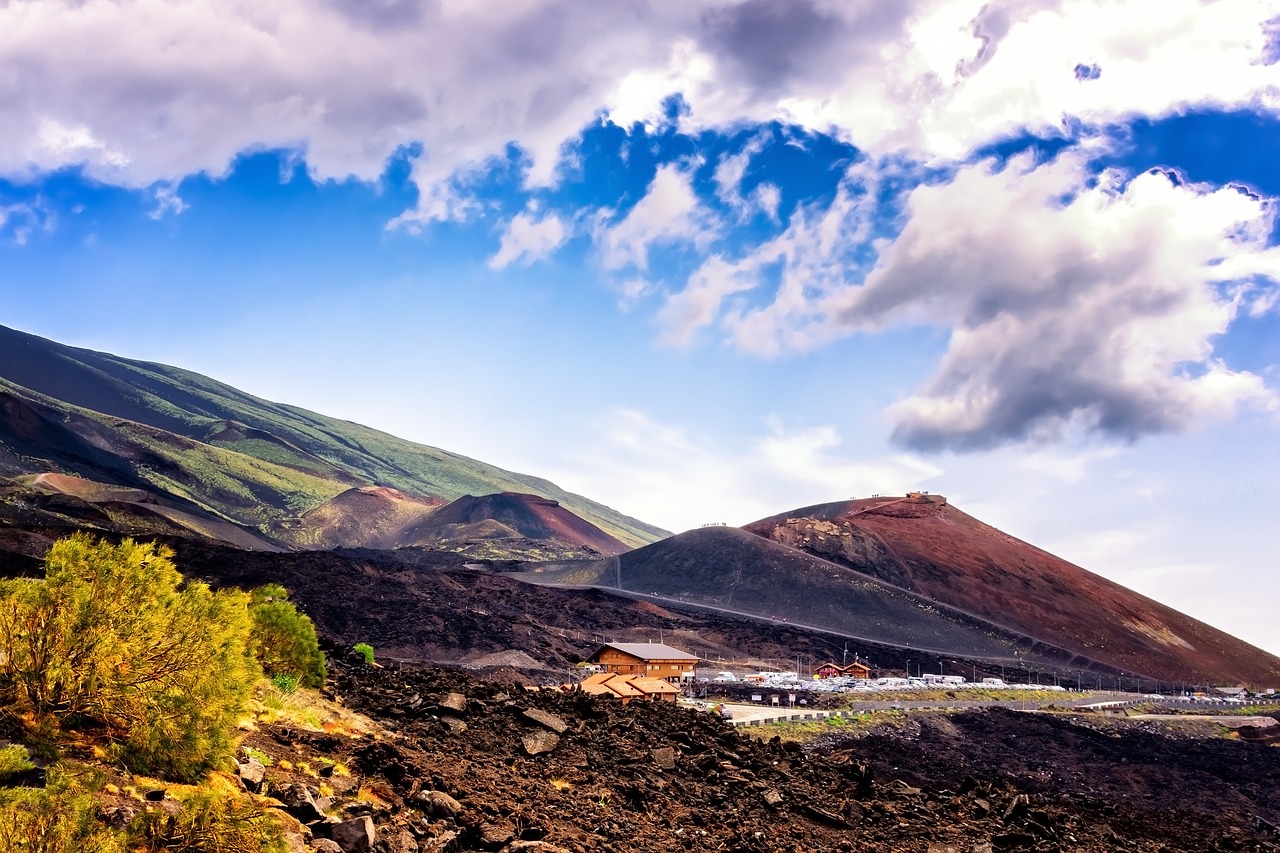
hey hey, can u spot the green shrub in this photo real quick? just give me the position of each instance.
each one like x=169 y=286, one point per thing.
x=14 y=759
x=112 y=636
x=284 y=640
x=60 y=818
x=366 y=650
x=285 y=683
x=209 y=822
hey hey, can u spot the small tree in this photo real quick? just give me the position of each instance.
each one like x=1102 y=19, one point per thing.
x=284 y=640
x=112 y=636
x=364 y=650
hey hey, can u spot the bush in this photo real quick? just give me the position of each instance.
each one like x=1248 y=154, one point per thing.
x=284 y=640
x=366 y=650
x=209 y=821
x=113 y=638
x=58 y=819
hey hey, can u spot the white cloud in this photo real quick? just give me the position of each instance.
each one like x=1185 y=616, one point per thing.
x=670 y=475
x=1098 y=313
x=153 y=91
x=19 y=221
x=1070 y=308
x=167 y=201
x=527 y=239
x=670 y=212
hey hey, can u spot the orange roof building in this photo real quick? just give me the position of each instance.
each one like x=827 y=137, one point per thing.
x=628 y=687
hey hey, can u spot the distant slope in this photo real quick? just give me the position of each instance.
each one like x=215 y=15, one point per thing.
x=509 y=515
x=363 y=517
x=239 y=457
x=925 y=545
x=728 y=568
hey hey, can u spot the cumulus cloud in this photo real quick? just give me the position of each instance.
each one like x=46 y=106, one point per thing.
x=527 y=239
x=669 y=212
x=1073 y=306
x=1070 y=306
x=153 y=91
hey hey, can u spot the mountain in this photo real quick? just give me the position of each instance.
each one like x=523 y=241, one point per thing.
x=729 y=570
x=922 y=544
x=511 y=516
x=219 y=454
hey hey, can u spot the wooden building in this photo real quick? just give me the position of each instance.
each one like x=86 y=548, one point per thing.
x=653 y=660
x=628 y=687
x=833 y=670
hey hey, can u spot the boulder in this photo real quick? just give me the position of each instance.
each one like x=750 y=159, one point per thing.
x=455 y=702
x=455 y=726
x=324 y=845
x=355 y=835
x=496 y=834
x=664 y=757
x=438 y=804
x=252 y=773
x=537 y=743
x=301 y=804
x=543 y=718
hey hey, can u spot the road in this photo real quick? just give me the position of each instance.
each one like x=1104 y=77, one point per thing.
x=744 y=714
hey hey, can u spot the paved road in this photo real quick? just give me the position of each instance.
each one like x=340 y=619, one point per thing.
x=757 y=714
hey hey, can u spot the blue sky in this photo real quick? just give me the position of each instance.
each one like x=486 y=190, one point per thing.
x=704 y=263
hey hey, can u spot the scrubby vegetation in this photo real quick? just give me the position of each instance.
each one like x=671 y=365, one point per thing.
x=112 y=639
x=366 y=651
x=113 y=655
x=284 y=640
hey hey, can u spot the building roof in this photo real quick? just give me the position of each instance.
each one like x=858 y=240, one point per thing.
x=649 y=651
x=596 y=680
x=652 y=685
x=628 y=686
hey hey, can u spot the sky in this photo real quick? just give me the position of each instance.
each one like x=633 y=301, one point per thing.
x=703 y=261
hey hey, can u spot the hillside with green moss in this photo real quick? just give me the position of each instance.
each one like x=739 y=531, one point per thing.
x=202 y=446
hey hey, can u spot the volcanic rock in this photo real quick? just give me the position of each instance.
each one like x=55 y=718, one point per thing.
x=356 y=835
x=537 y=743
x=252 y=772
x=551 y=721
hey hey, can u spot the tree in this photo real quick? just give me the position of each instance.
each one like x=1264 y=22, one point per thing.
x=284 y=640
x=114 y=638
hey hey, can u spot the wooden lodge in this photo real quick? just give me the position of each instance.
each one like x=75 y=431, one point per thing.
x=835 y=670
x=652 y=660
x=628 y=687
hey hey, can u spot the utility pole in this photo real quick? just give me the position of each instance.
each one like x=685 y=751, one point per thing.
x=845 y=660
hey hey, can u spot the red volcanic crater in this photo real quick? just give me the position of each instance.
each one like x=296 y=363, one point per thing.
x=923 y=544
x=509 y=514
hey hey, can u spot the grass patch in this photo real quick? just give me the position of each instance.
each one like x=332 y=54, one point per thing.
x=802 y=731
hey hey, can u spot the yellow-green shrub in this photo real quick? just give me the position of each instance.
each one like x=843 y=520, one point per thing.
x=209 y=821
x=284 y=640
x=112 y=637
x=58 y=819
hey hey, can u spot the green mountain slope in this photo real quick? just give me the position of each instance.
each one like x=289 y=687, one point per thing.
x=237 y=456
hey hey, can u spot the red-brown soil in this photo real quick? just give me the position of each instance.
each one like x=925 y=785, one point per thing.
x=509 y=515
x=364 y=517
x=927 y=546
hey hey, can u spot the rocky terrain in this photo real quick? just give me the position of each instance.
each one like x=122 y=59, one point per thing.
x=465 y=765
